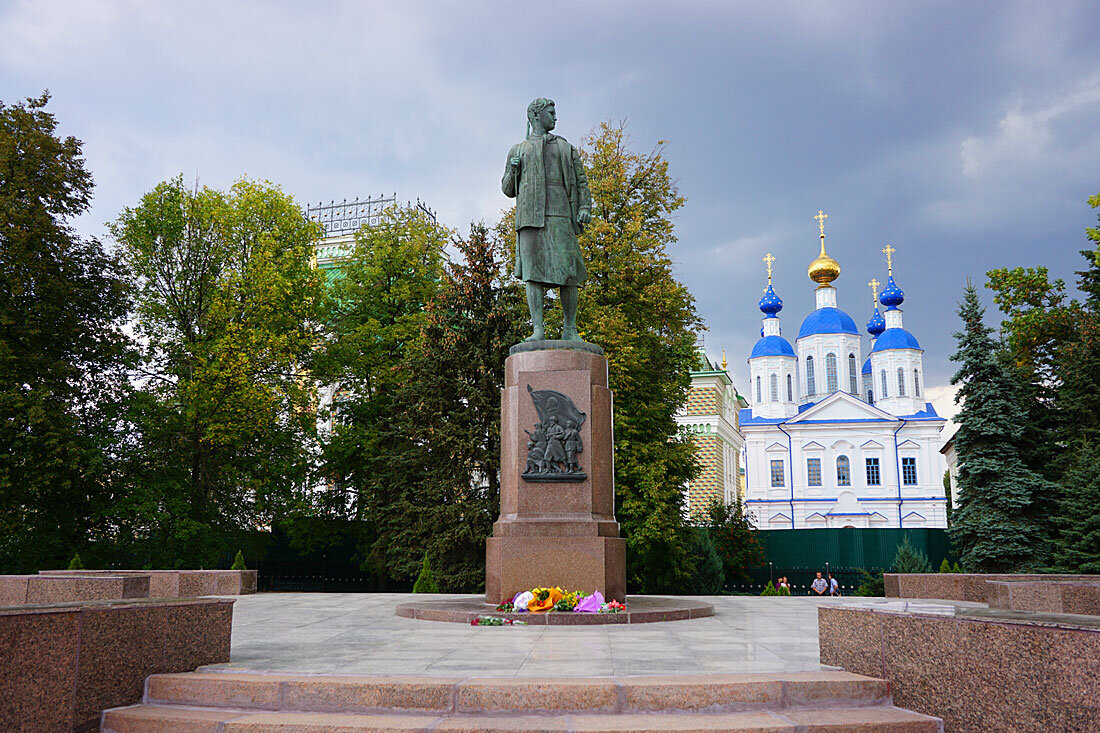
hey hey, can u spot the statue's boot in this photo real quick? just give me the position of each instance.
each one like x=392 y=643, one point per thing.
x=569 y=313
x=535 y=297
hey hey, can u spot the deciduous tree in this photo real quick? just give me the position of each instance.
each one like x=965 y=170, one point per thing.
x=62 y=353
x=227 y=311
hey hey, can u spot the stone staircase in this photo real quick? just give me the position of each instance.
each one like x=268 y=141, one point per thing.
x=236 y=702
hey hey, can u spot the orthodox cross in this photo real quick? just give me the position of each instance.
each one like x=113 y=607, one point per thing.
x=874 y=289
x=821 y=217
x=889 y=252
x=768 y=260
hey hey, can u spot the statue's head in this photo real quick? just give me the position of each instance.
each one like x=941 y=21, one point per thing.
x=541 y=113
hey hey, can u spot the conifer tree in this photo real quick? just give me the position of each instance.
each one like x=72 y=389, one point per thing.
x=449 y=409
x=909 y=559
x=1079 y=521
x=425 y=582
x=999 y=525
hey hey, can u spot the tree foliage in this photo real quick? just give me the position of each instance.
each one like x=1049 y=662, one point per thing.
x=645 y=319
x=735 y=539
x=449 y=408
x=1000 y=524
x=909 y=559
x=425 y=582
x=224 y=427
x=374 y=316
x=63 y=300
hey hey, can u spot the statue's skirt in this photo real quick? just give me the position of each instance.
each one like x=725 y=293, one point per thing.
x=550 y=254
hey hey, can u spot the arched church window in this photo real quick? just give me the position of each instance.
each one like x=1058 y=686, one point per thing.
x=916 y=382
x=853 y=384
x=774 y=387
x=830 y=373
x=759 y=391
x=870 y=397
x=790 y=389
x=811 y=384
x=843 y=471
x=884 y=391
x=901 y=381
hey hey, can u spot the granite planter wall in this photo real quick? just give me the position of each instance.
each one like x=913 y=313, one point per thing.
x=64 y=664
x=1043 y=593
x=183 y=583
x=1007 y=672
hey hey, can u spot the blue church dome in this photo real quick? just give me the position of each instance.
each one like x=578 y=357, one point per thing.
x=772 y=346
x=771 y=303
x=892 y=296
x=877 y=324
x=827 y=320
x=866 y=367
x=895 y=338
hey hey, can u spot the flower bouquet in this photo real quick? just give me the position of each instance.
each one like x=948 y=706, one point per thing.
x=494 y=621
x=539 y=600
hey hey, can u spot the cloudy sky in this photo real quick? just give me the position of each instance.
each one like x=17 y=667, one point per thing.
x=966 y=134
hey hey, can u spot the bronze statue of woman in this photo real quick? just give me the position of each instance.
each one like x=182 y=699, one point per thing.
x=545 y=176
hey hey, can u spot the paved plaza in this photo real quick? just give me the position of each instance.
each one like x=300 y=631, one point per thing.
x=358 y=633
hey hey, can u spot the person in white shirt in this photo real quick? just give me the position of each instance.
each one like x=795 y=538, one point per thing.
x=820 y=585
x=834 y=587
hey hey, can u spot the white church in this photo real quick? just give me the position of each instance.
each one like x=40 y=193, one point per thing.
x=833 y=439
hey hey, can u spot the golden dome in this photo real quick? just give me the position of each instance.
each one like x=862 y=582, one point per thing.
x=824 y=269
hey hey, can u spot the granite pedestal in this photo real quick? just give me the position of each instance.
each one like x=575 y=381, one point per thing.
x=551 y=532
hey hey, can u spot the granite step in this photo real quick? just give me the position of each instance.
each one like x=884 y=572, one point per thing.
x=222 y=701
x=161 y=719
x=331 y=693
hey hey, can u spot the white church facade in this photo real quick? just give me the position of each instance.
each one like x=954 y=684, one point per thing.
x=833 y=439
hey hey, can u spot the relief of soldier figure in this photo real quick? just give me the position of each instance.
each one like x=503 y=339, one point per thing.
x=553 y=445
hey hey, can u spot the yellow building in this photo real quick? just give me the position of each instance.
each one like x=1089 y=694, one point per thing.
x=711 y=415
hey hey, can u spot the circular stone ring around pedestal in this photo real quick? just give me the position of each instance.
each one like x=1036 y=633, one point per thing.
x=639 y=610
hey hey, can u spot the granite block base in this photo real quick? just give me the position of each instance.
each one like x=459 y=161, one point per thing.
x=516 y=564
x=64 y=664
x=556 y=530
x=979 y=670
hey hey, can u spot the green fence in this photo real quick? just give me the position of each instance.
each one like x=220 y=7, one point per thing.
x=851 y=548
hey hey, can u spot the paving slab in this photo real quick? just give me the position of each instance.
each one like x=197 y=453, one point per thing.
x=344 y=633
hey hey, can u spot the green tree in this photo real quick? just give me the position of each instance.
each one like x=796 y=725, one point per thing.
x=1079 y=548
x=645 y=319
x=945 y=567
x=449 y=408
x=769 y=590
x=999 y=525
x=63 y=356
x=909 y=559
x=227 y=309
x=425 y=582
x=76 y=563
x=238 y=562
x=735 y=539
x=374 y=316
x=708 y=576
x=871 y=585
